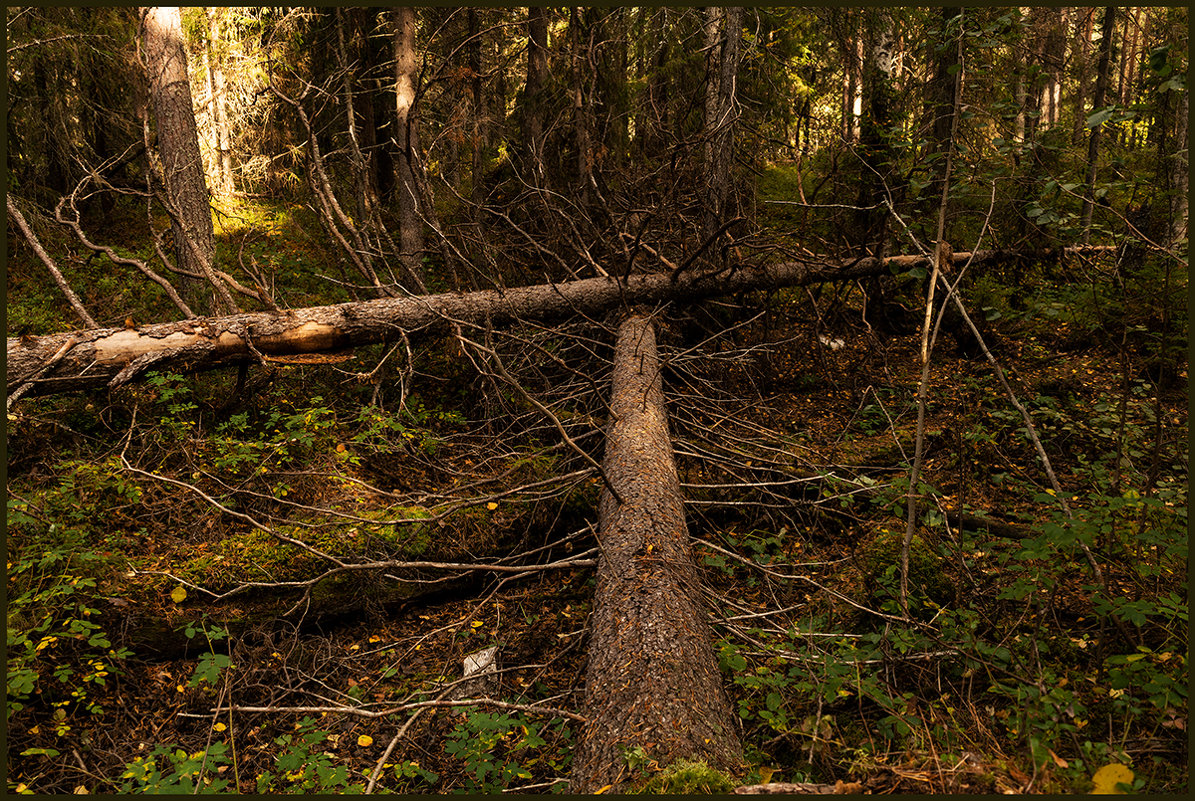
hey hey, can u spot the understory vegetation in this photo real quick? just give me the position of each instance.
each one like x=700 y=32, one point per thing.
x=144 y=588
x=371 y=570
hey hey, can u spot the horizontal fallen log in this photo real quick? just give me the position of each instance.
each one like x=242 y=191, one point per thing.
x=114 y=356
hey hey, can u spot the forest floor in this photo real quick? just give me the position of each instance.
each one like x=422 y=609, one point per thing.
x=1021 y=672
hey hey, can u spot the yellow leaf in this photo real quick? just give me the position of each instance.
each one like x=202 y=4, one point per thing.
x=375 y=638
x=478 y=624
x=491 y=506
x=219 y=727
x=601 y=790
x=364 y=741
x=178 y=594
x=340 y=448
x=1106 y=778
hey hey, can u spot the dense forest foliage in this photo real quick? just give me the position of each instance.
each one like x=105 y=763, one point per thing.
x=920 y=302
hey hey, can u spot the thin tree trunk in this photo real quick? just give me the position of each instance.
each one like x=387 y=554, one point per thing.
x=112 y=356
x=1179 y=177
x=1082 y=58
x=652 y=681
x=583 y=78
x=723 y=32
x=178 y=143
x=410 y=226
x=1093 y=144
x=658 y=125
x=941 y=101
x=473 y=56
x=219 y=106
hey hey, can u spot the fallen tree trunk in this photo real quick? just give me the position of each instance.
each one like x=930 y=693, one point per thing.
x=652 y=681
x=114 y=356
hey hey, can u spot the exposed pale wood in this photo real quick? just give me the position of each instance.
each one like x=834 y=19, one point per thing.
x=112 y=356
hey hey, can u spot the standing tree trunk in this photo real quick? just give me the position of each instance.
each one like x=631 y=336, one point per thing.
x=182 y=166
x=537 y=75
x=723 y=32
x=656 y=124
x=219 y=105
x=406 y=67
x=940 y=100
x=1179 y=177
x=477 y=136
x=1081 y=55
x=652 y=681
x=581 y=28
x=1093 y=144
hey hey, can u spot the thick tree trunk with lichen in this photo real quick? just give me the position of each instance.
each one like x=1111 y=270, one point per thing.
x=113 y=356
x=652 y=681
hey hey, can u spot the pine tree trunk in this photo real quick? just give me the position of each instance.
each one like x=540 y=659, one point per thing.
x=1179 y=177
x=723 y=32
x=537 y=74
x=473 y=56
x=219 y=105
x=410 y=225
x=178 y=144
x=652 y=682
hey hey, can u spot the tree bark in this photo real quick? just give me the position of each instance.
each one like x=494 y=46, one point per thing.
x=113 y=356
x=1093 y=144
x=652 y=681
x=581 y=27
x=537 y=76
x=410 y=226
x=477 y=137
x=723 y=31
x=219 y=106
x=940 y=99
x=178 y=143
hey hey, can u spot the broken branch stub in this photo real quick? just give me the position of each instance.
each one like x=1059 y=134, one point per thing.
x=652 y=681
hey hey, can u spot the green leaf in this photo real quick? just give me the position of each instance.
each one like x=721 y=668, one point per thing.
x=1100 y=117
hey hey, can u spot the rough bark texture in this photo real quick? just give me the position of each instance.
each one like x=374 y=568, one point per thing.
x=406 y=66
x=723 y=32
x=221 y=146
x=112 y=356
x=178 y=143
x=652 y=680
x=537 y=76
x=1093 y=143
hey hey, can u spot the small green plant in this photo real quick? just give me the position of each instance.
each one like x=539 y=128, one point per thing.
x=497 y=749
x=171 y=770
x=687 y=777
x=52 y=633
